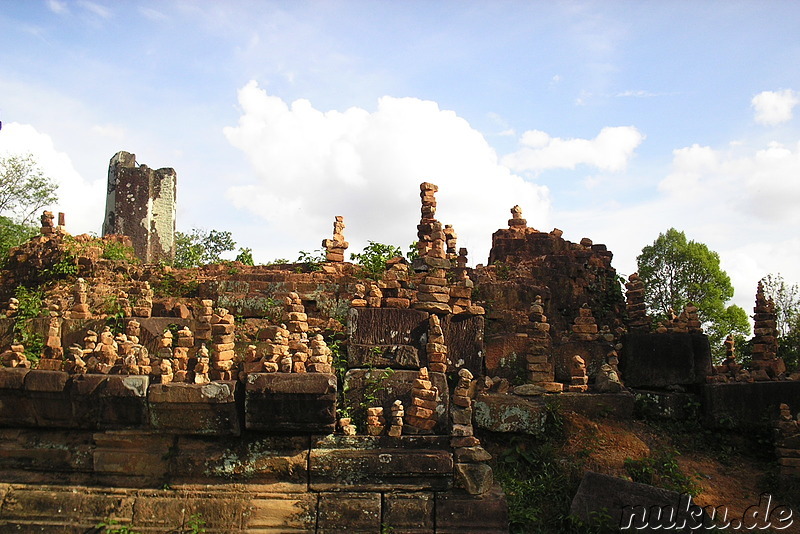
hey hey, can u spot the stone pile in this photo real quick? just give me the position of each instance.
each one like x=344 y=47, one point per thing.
x=638 y=320
x=80 y=307
x=203 y=317
x=461 y=294
x=15 y=356
x=396 y=422
x=471 y=471
x=11 y=308
x=347 y=426
x=275 y=349
x=334 y=248
x=766 y=364
x=375 y=296
x=436 y=348
x=222 y=344
x=579 y=380
x=321 y=359
x=252 y=362
x=451 y=242
x=729 y=370
x=136 y=356
x=688 y=322
x=787 y=442
x=74 y=363
x=298 y=346
x=165 y=372
x=607 y=379
x=585 y=327
x=516 y=222
x=184 y=357
x=203 y=366
x=105 y=354
x=430 y=234
x=433 y=294
x=52 y=342
x=48 y=226
x=124 y=303
x=359 y=297
x=394 y=284
x=376 y=422
x=421 y=417
x=540 y=370
x=142 y=299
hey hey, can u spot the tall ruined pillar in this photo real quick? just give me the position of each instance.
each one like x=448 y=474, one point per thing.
x=140 y=204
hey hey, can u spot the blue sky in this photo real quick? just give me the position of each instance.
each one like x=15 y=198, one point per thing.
x=609 y=120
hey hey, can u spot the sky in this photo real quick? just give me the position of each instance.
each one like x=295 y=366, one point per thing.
x=609 y=120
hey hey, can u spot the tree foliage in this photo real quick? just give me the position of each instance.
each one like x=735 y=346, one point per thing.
x=374 y=257
x=24 y=190
x=201 y=247
x=677 y=272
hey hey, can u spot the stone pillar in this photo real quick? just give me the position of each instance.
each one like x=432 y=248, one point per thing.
x=140 y=203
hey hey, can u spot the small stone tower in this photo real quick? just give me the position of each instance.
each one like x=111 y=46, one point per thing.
x=140 y=204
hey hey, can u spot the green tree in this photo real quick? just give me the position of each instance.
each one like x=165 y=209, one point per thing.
x=24 y=190
x=374 y=257
x=677 y=272
x=201 y=247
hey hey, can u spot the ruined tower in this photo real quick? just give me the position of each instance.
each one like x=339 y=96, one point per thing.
x=140 y=203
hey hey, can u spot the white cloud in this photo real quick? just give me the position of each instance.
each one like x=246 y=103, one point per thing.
x=774 y=107
x=609 y=151
x=367 y=166
x=57 y=7
x=83 y=202
x=95 y=8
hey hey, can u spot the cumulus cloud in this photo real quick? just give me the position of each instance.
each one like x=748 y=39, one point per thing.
x=367 y=166
x=57 y=7
x=609 y=151
x=774 y=107
x=83 y=202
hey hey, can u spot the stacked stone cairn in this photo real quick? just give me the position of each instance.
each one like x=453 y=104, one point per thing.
x=11 y=308
x=105 y=354
x=375 y=296
x=607 y=379
x=203 y=316
x=321 y=360
x=638 y=320
x=730 y=370
x=359 y=297
x=585 y=326
x=687 y=322
x=80 y=307
x=298 y=332
x=184 y=358
x=451 y=242
x=75 y=363
x=396 y=422
x=766 y=364
x=421 y=417
x=347 y=426
x=48 y=226
x=579 y=380
x=202 y=367
x=222 y=344
x=53 y=355
x=275 y=349
x=471 y=471
x=164 y=371
x=787 y=443
x=516 y=222
x=540 y=370
x=124 y=303
x=334 y=248
x=135 y=352
x=142 y=296
x=376 y=422
x=394 y=284
x=15 y=356
x=436 y=348
x=433 y=294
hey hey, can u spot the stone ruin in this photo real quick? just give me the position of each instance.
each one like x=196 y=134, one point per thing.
x=787 y=442
x=141 y=204
x=375 y=420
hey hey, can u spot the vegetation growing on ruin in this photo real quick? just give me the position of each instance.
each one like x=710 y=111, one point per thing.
x=201 y=247
x=31 y=306
x=374 y=257
x=310 y=261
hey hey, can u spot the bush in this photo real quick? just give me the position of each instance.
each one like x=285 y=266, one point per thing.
x=374 y=257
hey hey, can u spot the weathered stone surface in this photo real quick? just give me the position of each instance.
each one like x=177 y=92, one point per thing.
x=201 y=409
x=392 y=385
x=626 y=502
x=367 y=463
x=394 y=356
x=291 y=402
x=457 y=513
x=593 y=353
x=475 y=479
x=281 y=513
x=387 y=326
x=409 y=513
x=509 y=413
x=15 y=407
x=279 y=463
x=505 y=355
x=743 y=405
x=661 y=360
x=109 y=401
x=463 y=335
x=349 y=512
x=43 y=451
x=49 y=398
x=132 y=453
